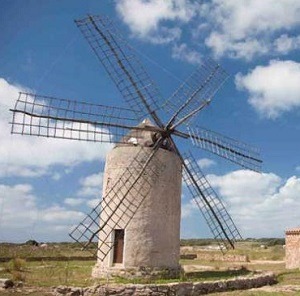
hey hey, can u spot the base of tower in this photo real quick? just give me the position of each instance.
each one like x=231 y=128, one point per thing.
x=136 y=272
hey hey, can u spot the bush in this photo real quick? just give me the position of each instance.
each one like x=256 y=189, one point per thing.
x=18 y=276
x=32 y=242
x=16 y=267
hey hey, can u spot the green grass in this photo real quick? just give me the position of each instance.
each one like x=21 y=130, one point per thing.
x=254 y=252
x=289 y=277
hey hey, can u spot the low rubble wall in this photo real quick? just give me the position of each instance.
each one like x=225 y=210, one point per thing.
x=172 y=289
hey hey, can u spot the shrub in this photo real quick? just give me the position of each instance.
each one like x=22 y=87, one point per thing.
x=18 y=276
x=32 y=242
x=16 y=267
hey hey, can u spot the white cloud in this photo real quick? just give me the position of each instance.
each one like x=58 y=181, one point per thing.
x=273 y=89
x=284 y=44
x=94 y=180
x=58 y=214
x=164 y=35
x=246 y=49
x=92 y=203
x=91 y=185
x=261 y=204
x=245 y=28
x=247 y=17
x=29 y=156
x=183 y=52
x=238 y=29
x=146 y=18
x=56 y=176
x=22 y=218
x=188 y=209
x=205 y=163
x=70 y=201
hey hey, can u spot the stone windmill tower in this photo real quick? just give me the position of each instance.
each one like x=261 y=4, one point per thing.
x=139 y=212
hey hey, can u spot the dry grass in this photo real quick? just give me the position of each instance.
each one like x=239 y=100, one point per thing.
x=52 y=250
x=52 y=273
x=43 y=274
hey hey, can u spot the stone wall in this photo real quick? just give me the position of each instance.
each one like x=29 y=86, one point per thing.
x=219 y=257
x=292 y=248
x=208 y=254
x=172 y=289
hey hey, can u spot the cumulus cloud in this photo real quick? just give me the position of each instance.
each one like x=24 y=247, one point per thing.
x=261 y=204
x=246 y=28
x=91 y=186
x=92 y=203
x=183 y=52
x=284 y=44
x=146 y=18
x=273 y=89
x=188 y=209
x=246 y=49
x=205 y=163
x=238 y=29
x=21 y=217
x=70 y=201
x=33 y=156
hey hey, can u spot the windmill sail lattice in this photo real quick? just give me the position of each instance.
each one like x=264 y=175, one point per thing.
x=51 y=117
x=122 y=65
x=59 y=118
x=237 y=152
x=209 y=203
x=196 y=92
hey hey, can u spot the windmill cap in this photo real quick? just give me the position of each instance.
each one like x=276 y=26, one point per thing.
x=140 y=137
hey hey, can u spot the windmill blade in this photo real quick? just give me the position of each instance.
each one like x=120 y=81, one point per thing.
x=195 y=93
x=122 y=65
x=120 y=203
x=237 y=152
x=60 y=118
x=210 y=205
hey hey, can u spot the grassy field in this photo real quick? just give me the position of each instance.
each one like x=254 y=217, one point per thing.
x=47 y=273
x=52 y=250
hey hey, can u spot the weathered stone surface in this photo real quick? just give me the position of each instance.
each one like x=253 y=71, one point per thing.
x=172 y=289
x=205 y=256
x=152 y=237
x=181 y=289
x=292 y=248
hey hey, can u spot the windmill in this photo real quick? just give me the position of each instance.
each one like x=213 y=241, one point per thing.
x=139 y=212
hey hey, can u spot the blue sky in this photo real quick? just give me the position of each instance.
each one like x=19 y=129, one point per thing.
x=48 y=184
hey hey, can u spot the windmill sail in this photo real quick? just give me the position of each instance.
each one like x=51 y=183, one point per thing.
x=59 y=118
x=120 y=203
x=210 y=205
x=195 y=93
x=122 y=65
x=233 y=150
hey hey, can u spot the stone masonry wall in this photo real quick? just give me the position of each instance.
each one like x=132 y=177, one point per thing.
x=292 y=248
x=172 y=289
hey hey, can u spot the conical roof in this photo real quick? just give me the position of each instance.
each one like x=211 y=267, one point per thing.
x=140 y=137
